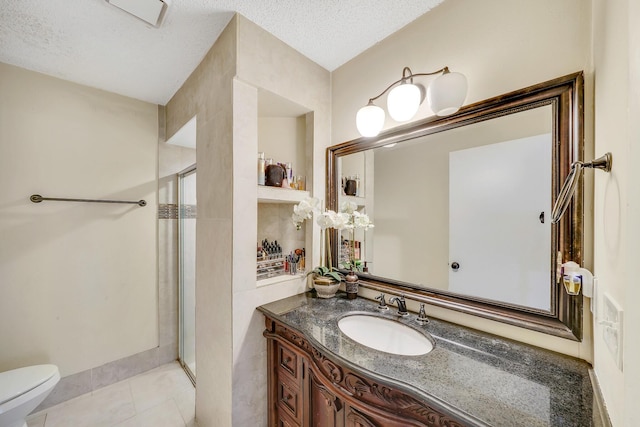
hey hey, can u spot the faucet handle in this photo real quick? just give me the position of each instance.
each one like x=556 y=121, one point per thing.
x=383 y=303
x=422 y=316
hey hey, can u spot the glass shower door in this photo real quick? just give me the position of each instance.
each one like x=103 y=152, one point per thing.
x=187 y=268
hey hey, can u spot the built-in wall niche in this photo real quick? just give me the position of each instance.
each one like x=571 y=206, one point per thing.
x=283 y=135
x=275 y=226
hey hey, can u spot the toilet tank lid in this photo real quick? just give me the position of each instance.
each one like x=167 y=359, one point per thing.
x=19 y=381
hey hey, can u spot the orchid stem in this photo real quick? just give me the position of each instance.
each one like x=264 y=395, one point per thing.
x=328 y=243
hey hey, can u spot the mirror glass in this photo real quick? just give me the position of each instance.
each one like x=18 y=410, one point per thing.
x=458 y=208
x=462 y=206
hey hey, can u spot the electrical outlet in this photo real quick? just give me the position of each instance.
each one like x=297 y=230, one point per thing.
x=612 y=328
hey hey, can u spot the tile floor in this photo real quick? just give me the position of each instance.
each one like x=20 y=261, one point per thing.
x=162 y=397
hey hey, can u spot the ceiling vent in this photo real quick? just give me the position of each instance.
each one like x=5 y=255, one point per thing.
x=150 y=11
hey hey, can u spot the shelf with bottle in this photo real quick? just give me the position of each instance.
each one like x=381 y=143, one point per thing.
x=273 y=265
x=268 y=194
x=359 y=201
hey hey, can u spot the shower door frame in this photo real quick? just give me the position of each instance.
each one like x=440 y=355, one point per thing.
x=181 y=176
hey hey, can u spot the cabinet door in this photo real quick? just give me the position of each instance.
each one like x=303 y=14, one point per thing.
x=324 y=408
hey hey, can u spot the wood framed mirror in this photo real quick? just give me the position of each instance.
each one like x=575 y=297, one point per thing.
x=462 y=207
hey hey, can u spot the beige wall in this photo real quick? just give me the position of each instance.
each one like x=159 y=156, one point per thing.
x=208 y=94
x=500 y=46
x=283 y=139
x=264 y=62
x=631 y=351
x=223 y=93
x=632 y=292
x=617 y=197
x=78 y=279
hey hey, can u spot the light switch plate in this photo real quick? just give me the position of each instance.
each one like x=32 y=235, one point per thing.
x=612 y=328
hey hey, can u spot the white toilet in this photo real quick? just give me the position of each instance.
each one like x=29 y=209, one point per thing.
x=22 y=390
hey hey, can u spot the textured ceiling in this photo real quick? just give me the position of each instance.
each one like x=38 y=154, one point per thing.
x=95 y=44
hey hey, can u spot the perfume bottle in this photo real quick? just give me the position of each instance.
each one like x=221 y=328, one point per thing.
x=289 y=170
x=261 y=168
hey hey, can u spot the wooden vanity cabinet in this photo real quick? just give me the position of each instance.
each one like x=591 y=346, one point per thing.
x=307 y=389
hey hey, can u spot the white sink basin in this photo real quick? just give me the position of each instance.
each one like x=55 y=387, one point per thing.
x=385 y=335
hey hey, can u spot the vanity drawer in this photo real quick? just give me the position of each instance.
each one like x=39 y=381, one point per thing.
x=289 y=400
x=288 y=363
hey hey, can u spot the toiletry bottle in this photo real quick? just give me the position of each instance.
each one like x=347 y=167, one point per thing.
x=261 y=168
x=358 y=189
x=275 y=175
x=350 y=188
x=289 y=170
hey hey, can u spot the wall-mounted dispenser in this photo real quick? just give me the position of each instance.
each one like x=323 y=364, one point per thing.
x=576 y=278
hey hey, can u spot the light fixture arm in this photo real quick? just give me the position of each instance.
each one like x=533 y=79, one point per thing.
x=407 y=74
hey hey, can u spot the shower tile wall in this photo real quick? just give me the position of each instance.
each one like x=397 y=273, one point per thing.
x=171 y=160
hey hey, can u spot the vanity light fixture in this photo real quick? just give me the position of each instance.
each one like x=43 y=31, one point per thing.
x=445 y=95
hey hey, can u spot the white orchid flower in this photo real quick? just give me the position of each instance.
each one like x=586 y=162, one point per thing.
x=303 y=211
x=348 y=207
x=361 y=220
x=347 y=219
x=342 y=221
x=306 y=207
x=326 y=220
x=297 y=220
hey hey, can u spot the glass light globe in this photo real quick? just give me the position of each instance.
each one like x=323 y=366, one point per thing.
x=370 y=120
x=403 y=102
x=447 y=93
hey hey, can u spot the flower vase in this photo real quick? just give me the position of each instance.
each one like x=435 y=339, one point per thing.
x=351 y=280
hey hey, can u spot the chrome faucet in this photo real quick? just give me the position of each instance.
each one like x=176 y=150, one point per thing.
x=383 y=303
x=402 y=305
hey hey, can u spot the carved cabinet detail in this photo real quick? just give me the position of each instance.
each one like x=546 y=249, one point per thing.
x=309 y=389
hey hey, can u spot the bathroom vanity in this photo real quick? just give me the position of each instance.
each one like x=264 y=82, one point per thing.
x=320 y=377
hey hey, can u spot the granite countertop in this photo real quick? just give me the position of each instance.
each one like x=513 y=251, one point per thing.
x=485 y=379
